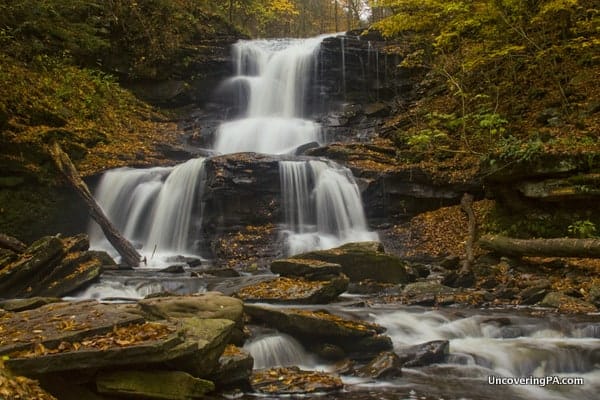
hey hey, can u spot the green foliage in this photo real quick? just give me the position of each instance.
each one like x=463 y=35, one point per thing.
x=511 y=149
x=503 y=63
x=582 y=229
x=124 y=37
x=426 y=139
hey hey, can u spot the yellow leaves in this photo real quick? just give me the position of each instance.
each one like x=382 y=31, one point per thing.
x=20 y=388
x=283 y=7
x=280 y=288
x=124 y=336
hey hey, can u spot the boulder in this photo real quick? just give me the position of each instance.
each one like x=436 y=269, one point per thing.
x=565 y=303
x=364 y=260
x=295 y=291
x=12 y=387
x=315 y=328
x=426 y=292
x=459 y=279
x=594 y=295
x=205 y=305
x=240 y=189
x=294 y=381
x=235 y=367
x=210 y=336
x=170 y=385
x=423 y=354
x=315 y=270
x=535 y=292
x=386 y=365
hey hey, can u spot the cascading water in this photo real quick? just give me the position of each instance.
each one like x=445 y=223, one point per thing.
x=276 y=74
x=322 y=206
x=155 y=206
x=277 y=350
x=151 y=206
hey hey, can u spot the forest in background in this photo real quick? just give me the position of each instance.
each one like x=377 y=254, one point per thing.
x=503 y=80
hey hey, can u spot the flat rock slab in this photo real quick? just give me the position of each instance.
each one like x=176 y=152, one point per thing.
x=135 y=344
x=295 y=291
x=52 y=324
x=294 y=381
x=168 y=385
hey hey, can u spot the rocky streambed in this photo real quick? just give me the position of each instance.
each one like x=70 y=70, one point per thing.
x=353 y=321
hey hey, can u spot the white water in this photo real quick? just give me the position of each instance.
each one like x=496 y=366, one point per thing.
x=277 y=74
x=278 y=350
x=322 y=206
x=151 y=206
x=480 y=347
x=154 y=207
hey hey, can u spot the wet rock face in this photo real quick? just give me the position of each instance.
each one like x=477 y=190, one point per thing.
x=425 y=353
x=355 y=68
x=241 y=189
x=192 y=77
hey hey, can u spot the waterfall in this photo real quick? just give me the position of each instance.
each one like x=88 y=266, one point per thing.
x=322 y=206
x=277 y=350
x=152 y=206
x=277 y=75
x=157 y=207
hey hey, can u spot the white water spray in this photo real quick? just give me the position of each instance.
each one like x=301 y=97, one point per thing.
x=322 y=206
x=277 y=74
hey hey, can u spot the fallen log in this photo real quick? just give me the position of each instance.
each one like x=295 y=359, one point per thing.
x=129 y=255
x=11 y=243
x=560 y=247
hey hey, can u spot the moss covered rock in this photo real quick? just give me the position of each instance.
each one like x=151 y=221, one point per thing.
x=363 y=260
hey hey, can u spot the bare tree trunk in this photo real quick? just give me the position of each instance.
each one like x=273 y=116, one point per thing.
x=562 y=247
x=466 y=203
x=129 y=255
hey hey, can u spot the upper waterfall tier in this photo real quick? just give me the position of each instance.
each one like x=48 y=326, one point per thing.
x=274 y=76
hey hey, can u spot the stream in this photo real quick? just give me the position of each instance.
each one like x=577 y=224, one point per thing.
x=158 y=209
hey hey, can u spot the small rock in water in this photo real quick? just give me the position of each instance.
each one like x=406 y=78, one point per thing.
x=427 y=353
x=385 y=366
x=173 y=269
